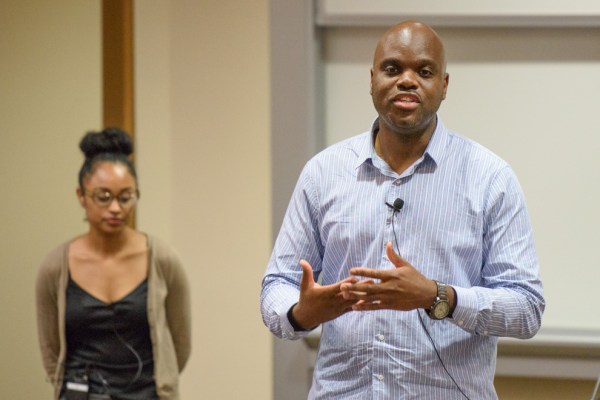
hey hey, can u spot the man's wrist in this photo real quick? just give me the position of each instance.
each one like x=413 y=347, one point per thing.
x=295 y=324
x=444 y=303
x=453 y=300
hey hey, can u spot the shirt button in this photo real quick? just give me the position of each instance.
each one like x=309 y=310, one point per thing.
x=380 y=377
x=461 y=323
x=380 y=337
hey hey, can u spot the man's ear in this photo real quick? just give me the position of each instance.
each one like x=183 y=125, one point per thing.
x=446 y=81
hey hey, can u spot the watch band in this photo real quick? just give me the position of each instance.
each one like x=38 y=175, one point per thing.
x=442 y=290
x=440 y=308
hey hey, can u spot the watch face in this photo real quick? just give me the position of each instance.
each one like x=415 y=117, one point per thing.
x=441 y=310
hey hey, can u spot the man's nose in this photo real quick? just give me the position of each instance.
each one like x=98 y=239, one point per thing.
x=407 y=80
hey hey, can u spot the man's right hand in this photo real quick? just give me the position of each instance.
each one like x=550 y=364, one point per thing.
x=318 y=303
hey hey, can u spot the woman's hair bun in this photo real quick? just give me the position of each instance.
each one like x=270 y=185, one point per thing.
x=109 y=140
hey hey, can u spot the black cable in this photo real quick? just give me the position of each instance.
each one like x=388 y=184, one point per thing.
x=93 y=371
x=137 y=356
x=437 y=353
x=394 y=229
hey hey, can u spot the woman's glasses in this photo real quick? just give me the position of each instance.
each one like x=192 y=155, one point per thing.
x=104 y=198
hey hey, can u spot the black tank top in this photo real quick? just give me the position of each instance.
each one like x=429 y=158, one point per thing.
x=110 y=343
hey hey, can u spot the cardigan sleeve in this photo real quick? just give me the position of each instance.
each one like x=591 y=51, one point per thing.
x=177 y=306
x=46 y=301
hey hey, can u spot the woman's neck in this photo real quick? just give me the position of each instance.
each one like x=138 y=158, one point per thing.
x=109 y=244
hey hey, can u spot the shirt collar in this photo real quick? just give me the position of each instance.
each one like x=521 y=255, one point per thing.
x=434 y=150
x=366 y=153
x=437 y=144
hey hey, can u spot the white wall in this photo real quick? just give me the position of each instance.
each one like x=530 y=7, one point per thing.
x=530 y=95
x=50 y=95
x=541 y=63
x=202 y=117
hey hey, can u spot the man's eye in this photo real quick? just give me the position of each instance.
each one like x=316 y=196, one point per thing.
x=426 y=73
x=390 y=70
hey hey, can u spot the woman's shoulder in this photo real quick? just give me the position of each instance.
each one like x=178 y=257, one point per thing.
x=157 y=245
x=53 y=269
x=56 y=259
x=162 y=253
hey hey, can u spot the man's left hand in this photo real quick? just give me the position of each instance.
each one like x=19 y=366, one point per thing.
x=402 y=288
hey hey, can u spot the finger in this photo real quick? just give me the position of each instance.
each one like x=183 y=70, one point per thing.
x=393 y=256
x=368 y=306
x=352 y=295
x=354 y=284
x=307 y=280
x=362 y=293
x=364 y=288
x=366 y=300
x=367 y=272
x=350 y=279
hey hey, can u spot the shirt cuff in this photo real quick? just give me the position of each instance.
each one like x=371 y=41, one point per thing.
x=293 y=322
x=464 y=314
x=288 y=330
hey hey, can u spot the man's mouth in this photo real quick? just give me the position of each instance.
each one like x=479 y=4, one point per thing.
x=407 y=98
x=406 y=101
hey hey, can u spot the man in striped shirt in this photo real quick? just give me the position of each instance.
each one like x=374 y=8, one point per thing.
x=409 y=245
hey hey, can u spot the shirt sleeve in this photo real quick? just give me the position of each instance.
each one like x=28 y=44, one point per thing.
x=298 y=239
x=509 y=300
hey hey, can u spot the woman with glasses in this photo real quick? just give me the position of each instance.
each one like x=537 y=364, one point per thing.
x=113 y=304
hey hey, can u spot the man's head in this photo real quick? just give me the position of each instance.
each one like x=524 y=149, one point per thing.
x=408 y=78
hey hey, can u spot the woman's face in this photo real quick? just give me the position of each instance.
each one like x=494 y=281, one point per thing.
x=108 y=197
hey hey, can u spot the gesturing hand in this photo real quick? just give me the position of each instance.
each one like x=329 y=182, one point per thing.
x=401 y=288
x=318 y=303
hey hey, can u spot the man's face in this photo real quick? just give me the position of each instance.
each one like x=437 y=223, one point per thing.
x=408 y=79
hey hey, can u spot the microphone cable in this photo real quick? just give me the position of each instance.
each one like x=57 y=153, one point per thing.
x=395 y=210
x=140 y=363
x=108 y=388
x=437 y=353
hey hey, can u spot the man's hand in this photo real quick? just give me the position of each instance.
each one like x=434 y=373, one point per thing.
x=318 y=303
x=401 y=288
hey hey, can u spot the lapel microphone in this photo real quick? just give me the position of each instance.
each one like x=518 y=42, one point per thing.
x=397 y=206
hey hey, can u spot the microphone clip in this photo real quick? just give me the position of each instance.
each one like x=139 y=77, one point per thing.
x=397 y=206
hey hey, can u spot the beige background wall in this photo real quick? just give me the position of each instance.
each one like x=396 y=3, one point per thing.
x=203 y=147
x=202 y=104
x=50 y=94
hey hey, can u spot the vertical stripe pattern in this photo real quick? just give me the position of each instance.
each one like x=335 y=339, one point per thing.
x=464 y=222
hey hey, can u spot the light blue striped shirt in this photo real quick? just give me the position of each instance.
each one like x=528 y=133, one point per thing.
x=464 y=222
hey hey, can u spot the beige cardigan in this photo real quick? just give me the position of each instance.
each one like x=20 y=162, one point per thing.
x=168 y=316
